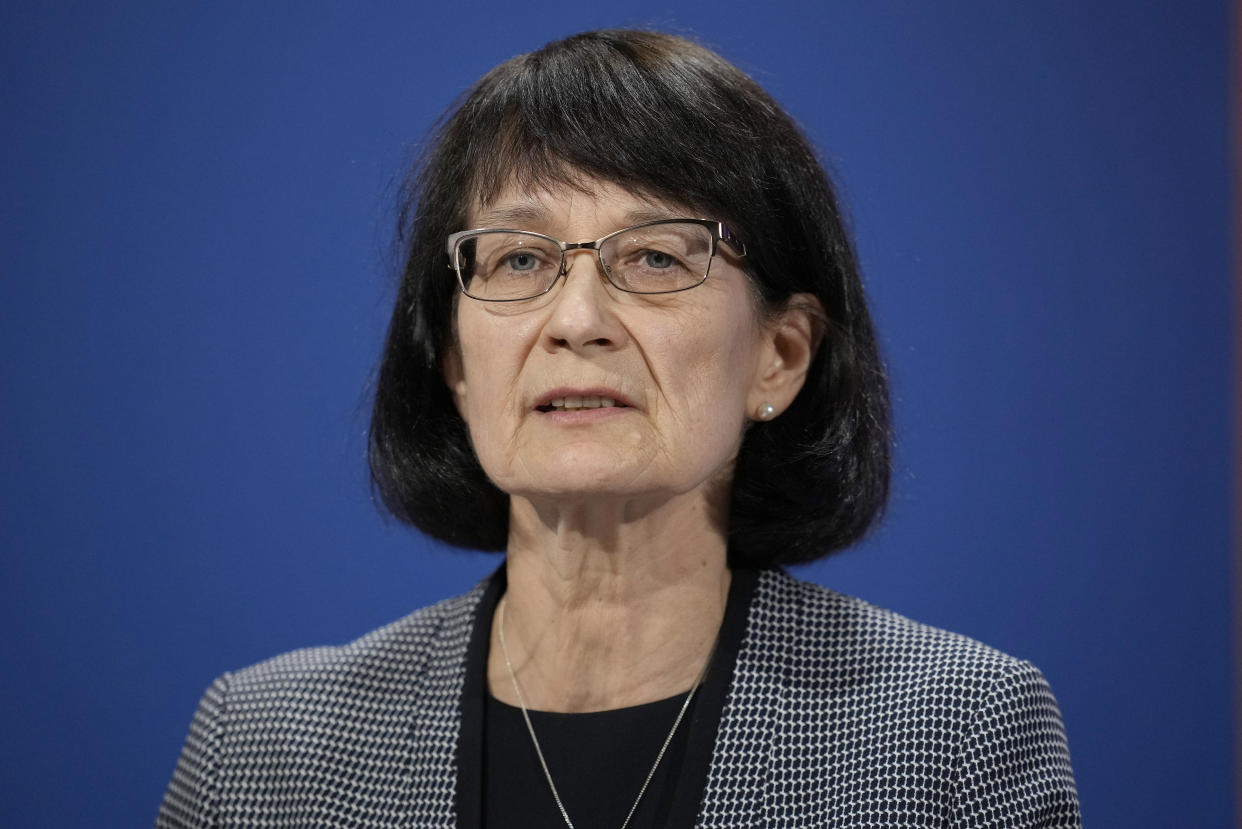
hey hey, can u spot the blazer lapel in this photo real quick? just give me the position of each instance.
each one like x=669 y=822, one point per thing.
x=743 y=761
x=431 y=753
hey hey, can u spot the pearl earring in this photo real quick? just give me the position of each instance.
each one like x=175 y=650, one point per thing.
x=767 y=411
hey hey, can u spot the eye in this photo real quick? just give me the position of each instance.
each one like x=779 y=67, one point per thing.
x=522 y=261
x=657 y=260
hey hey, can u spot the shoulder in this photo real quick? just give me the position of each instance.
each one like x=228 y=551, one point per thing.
x=885 y=676
x=393 y=653
x=864 y=688
x=825 y=628
x=288 y=735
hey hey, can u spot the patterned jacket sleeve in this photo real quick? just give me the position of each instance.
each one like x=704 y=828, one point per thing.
x=191 y=799
x=1015 y=765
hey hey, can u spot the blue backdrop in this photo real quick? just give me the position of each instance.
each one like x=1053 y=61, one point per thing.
x=197 y=205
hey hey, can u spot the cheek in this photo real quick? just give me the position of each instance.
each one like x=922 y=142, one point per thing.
x=485 y=391
x=714 y=365
x=492 y=355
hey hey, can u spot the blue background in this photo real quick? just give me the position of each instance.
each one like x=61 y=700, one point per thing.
x=197 y=211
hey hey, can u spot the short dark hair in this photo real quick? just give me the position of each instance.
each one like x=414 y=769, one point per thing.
x=666 y=118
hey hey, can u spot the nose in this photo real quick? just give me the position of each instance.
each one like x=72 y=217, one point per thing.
x=582 y=313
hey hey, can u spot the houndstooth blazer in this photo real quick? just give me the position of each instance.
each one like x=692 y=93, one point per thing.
x=839 y=714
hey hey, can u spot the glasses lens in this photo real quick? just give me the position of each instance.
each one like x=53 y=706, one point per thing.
x=506 y=265
x=659 y=258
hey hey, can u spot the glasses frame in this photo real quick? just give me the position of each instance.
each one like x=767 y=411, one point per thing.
x=719 y=230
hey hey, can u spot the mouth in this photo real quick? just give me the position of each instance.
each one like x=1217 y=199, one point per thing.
x=577 y=403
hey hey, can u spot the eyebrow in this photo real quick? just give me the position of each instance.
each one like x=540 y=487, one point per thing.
x=528 y=215
x=654 y=214
x=517 y=214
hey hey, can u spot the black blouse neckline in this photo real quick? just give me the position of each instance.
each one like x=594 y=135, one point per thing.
x=703 y=715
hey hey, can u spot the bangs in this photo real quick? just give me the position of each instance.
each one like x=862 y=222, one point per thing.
x=640 y=115
x=517 y=159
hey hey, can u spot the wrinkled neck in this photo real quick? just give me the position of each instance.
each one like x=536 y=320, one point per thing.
x=610 y=604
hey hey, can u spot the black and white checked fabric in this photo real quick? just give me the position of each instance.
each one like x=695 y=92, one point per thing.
x=843 y=714
x=839 y=714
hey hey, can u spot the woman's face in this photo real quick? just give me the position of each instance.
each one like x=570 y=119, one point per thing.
x=683 y=370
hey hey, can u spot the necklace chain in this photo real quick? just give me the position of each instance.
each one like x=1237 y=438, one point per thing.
x=517 y=689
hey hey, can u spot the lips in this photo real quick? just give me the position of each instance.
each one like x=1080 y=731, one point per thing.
x=575 y=403
x=565 y=400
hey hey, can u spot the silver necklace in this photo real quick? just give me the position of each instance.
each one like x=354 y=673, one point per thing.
x=517 y=689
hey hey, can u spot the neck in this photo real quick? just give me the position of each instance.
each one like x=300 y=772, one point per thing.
x=609 y=605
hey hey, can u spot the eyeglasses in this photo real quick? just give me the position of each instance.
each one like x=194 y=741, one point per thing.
x=660 y=257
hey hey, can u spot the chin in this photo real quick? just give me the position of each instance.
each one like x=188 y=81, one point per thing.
x=583 y=484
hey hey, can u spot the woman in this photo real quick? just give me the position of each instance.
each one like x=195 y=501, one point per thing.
x=648 y=424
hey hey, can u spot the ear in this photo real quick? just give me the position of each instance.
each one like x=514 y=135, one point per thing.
x=454 y=377
x=791 y=339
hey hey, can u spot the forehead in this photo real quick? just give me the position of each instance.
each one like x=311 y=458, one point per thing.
x=591 y=202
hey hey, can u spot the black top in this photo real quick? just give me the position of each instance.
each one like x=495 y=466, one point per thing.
x=599 y=759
